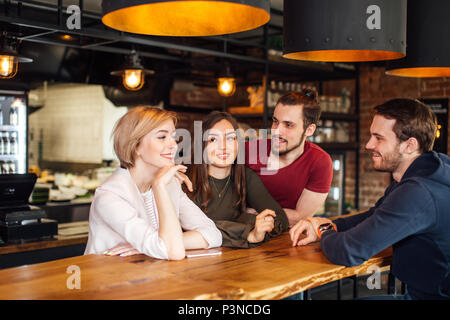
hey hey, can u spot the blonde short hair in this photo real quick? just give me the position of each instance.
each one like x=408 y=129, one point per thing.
x=132 y=127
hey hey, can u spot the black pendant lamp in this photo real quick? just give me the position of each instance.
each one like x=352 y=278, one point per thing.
x=428 y=41
x=9 y=57
x=344 y=30
x=185 y=17
x=133 y=73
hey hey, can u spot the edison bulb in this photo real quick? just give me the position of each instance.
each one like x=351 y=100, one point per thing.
x=133 y=79
x=226 y=86
x=8 y=66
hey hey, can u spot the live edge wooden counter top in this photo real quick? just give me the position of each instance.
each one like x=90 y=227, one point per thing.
x=273 y=270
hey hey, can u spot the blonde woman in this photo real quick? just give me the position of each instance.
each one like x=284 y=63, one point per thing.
x=141 y=208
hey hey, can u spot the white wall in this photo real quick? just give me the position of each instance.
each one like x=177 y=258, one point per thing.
x=76 y=122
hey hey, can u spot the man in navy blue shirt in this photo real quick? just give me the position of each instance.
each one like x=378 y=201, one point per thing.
x=413 y=216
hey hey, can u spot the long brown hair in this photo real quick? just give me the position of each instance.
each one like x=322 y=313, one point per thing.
x=198 y=173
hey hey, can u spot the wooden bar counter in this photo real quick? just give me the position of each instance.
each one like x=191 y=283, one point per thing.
x=274 y=270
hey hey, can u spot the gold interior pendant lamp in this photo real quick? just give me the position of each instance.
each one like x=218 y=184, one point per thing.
x=133 y=74
x=344 y=30
x=428 y=51
x=9 y=58
x=185 y=17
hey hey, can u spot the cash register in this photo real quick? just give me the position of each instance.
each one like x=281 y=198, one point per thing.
x=19 y=221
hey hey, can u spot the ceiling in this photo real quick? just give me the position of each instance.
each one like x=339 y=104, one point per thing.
x=91 y=53
x=95 y=5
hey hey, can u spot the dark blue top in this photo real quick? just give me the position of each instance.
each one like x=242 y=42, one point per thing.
x=413 y=216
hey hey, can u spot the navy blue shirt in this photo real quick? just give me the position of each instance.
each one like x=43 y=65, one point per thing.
x=413 y=217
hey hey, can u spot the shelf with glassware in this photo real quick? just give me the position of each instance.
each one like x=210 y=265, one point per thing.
x=336 y=132
x=336 y=122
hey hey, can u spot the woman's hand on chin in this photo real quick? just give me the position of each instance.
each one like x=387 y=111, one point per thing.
x=184 y=179
x=165 y=175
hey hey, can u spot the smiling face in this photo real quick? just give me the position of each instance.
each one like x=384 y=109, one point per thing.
x=288 y=132
x=158 y=147
x=222 y=144
x=385 y=147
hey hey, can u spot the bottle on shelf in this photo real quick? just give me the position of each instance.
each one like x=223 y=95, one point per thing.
x=12 y=167
x=332 y=104
x=336 y=104
x=346 y=100
x=13 y=116
x=318 y=135
x=280 y=86
x=342 y=135
x=5 y=167
x=6 y=146
x=1 y=115
x=329 y=131
x=324 y=103
x=13 y=143
x=271 y=95
x=2 y=145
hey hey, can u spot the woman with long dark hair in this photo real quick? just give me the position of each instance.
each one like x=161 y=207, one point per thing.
x=223 y=188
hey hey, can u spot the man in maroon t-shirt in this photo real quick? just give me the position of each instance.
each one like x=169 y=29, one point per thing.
x=296 y=172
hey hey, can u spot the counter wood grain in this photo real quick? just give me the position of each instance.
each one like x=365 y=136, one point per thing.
x=274 y=270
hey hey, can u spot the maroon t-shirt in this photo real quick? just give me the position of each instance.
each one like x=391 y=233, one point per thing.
x=313 y=170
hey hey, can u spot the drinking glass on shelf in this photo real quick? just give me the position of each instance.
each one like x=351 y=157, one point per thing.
x=332 y=104
x=280 y=86
x=339 y=105
x=324 y=103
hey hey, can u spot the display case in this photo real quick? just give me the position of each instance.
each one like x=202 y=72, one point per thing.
x=335 y=202
x=13 y=133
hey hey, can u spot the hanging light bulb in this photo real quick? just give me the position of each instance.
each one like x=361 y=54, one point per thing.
x=226 y=83
x=133 y=74
x=8 y=66
x=185 y=18
x=9 y=59
x=226 y=86
x=133 y=79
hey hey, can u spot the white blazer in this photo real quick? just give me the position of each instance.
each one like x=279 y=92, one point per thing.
x=117 y=216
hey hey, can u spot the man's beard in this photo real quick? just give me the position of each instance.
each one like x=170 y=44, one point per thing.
x=282 y=153
x=389 y=162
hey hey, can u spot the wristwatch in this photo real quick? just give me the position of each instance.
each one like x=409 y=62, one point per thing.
x=325 y=227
